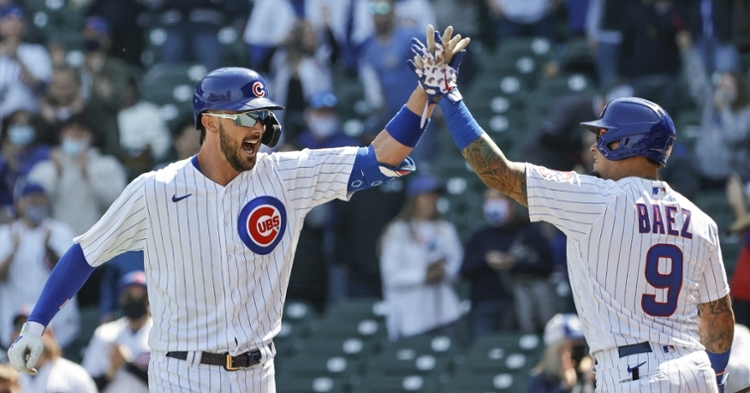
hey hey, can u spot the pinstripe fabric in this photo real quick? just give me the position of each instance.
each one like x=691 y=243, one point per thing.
x=208 y=290
x=640 y=257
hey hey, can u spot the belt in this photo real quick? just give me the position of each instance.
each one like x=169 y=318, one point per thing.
x=230 y=363
x=634 y=349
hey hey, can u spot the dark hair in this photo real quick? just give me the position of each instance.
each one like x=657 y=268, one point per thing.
x=82 y=121
x=743 y=93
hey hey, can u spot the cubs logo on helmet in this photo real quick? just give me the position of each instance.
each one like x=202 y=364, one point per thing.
x=258 y=89
x=262 y=223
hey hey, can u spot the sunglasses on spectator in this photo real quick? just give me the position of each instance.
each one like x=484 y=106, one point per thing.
x=380 y=8
x=247 y=119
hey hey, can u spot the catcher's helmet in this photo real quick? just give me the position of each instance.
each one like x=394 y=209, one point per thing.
x=642 y=127
x=236 y=89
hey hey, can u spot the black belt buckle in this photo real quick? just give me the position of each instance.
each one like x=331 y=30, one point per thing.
x=229 y=365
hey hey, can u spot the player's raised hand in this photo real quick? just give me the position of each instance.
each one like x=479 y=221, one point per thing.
x=436 y=63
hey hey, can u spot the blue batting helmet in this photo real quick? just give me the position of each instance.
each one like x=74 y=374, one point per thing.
x=236 y=89
x=642 y=127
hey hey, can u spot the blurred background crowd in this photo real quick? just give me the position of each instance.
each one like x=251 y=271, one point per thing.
x=431 y=266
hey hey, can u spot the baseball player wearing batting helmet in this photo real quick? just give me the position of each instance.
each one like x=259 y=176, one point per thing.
x=644 y=262
x=218 y=232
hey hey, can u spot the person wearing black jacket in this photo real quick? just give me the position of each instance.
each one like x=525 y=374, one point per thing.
x=508 y=263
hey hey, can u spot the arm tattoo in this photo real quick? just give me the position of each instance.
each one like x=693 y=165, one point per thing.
x=495 y=170
x=716 y=325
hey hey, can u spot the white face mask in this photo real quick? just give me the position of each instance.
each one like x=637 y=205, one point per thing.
x=73 y=147
x=21 y=134
x=496 y=212
x=323 y=126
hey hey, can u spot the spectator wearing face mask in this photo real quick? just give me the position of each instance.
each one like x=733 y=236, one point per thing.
x=508 y=262
x=20 y=149
x=118 y=354
x=81 y=181
x=104 y=79
x=30 y=246
x=723 y=146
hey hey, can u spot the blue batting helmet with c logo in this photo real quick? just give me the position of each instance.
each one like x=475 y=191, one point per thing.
x=235 y=89
x=642 y=127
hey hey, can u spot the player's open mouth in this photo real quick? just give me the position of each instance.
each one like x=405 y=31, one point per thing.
x=251 y=147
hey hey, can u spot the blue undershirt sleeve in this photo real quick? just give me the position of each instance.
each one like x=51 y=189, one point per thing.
x=66 y=279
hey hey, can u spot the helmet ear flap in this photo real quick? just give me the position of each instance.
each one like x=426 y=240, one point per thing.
x=273 y=131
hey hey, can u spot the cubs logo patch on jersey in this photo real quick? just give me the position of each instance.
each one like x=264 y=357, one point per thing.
x=261 y=224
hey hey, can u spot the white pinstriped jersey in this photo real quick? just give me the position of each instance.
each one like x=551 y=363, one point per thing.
x=640 y=256
x=218 y=259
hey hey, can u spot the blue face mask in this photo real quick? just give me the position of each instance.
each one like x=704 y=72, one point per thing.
x=21 y=134
x=73 y=147
x=496 y=212
x=37 y=213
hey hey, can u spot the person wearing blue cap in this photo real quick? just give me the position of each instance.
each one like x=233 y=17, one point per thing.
x=420 y=259
x=30 y=246
x=117 y=355
x=25 y=69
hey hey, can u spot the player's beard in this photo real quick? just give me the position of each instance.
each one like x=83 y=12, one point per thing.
x=232 y=151
x=596 y=174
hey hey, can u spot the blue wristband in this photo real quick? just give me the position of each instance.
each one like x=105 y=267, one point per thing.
x=462 y=126
x=719 y=361
x=404 y=127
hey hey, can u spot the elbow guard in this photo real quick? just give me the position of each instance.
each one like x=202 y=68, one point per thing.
x=368 y=172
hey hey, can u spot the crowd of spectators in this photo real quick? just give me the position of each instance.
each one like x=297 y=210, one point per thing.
x=76 y=129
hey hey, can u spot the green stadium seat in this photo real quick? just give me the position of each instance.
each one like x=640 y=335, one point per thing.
x=326 y=346
x=487 y=383
x=311 y=365
x=396 y=384
x=299 y=312
x=506 y=352
x=286 y=384
x=171 y=87
x=357 y=308
x=421 y=355
x=560 y=85
x=367 y=329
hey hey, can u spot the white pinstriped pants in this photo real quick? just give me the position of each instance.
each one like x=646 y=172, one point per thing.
x=678 y=371
x=170 y=375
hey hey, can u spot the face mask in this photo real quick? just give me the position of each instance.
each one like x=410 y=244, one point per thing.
x=496 y=211
x=37 y=213
x=21 y=135
x=323 y=126
x=91 y=45
x=73 y=147
x=134 y=309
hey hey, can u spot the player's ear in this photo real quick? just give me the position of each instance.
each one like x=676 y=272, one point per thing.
x=210 y=123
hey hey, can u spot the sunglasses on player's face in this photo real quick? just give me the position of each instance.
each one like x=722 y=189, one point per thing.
x=599 y=134
x=247 y=119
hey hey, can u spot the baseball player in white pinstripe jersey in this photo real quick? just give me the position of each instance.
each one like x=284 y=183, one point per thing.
x=644 y=262
x=218 y=233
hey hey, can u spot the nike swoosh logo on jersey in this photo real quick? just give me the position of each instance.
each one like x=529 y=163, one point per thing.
x=630 y=369
x=175 y=198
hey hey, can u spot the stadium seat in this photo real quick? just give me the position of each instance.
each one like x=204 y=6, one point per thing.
x=422 y=355
x=171 y=87
x=309 y=385
x=396 y=384
x=326 y=346
x=357 y=308
x=312 y=365
x=560 y=85
x=487 y=383
x=502 y=353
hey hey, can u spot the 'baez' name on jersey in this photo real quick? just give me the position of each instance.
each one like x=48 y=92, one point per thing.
x=663 y=219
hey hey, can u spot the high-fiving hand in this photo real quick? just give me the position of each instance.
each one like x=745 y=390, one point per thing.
x=436 y=63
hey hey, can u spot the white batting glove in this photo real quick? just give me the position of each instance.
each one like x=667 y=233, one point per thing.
x=25 y=351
